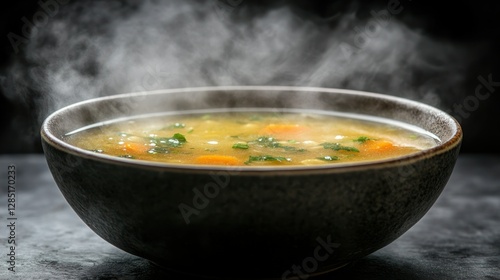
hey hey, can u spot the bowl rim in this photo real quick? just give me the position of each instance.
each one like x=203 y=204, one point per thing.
x=442 y=147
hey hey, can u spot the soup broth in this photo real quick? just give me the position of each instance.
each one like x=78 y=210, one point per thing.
x=253 y=138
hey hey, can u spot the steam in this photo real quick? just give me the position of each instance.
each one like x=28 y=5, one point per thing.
x=87 y=50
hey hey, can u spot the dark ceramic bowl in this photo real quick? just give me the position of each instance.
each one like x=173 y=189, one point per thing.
x=250 y=222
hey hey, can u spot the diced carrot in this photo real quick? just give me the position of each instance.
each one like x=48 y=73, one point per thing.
x=137 y=148
x=217 y=160
x=282 y=129
x=382 y=146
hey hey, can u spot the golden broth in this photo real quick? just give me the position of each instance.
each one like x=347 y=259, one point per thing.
x=252 y=138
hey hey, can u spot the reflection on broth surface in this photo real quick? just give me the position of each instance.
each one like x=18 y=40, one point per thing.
x=253 y=138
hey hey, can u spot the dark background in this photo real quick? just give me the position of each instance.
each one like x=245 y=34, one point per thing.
x=468 y=22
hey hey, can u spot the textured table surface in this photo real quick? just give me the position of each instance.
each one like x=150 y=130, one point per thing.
x=459 y=238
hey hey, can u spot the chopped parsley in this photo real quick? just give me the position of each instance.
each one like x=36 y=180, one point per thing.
x=267 y=141
x=271 y=142
x=179 y=137
x=266 y=158
x=173 y=142
x=243 y=146
x=292 y=149
x=362 y=139
x=338 y=147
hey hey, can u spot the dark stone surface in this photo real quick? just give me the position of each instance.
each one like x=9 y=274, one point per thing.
x=459 y=238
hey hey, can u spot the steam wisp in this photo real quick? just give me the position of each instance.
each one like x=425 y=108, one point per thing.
x=93 y=49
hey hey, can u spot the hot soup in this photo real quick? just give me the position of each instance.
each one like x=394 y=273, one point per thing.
x=253 y=138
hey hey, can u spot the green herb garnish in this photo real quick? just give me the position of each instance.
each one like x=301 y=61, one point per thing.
x=175 y=141
x=243 y=146
x=271 y=142
x=179 y=137
x=266 y=158
x=267 y=141
x=292 y=149
x=362 y=139
x=338 y=147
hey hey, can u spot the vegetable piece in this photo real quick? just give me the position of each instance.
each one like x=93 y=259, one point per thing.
x=243 y=146
x=328 y=158
x=266 y=158
x=282 y=129
x=379 y=146
x=338 y=147
x=137 y=148
x=217 y=160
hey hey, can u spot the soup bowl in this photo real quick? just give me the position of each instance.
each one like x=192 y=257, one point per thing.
x=250 y=222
